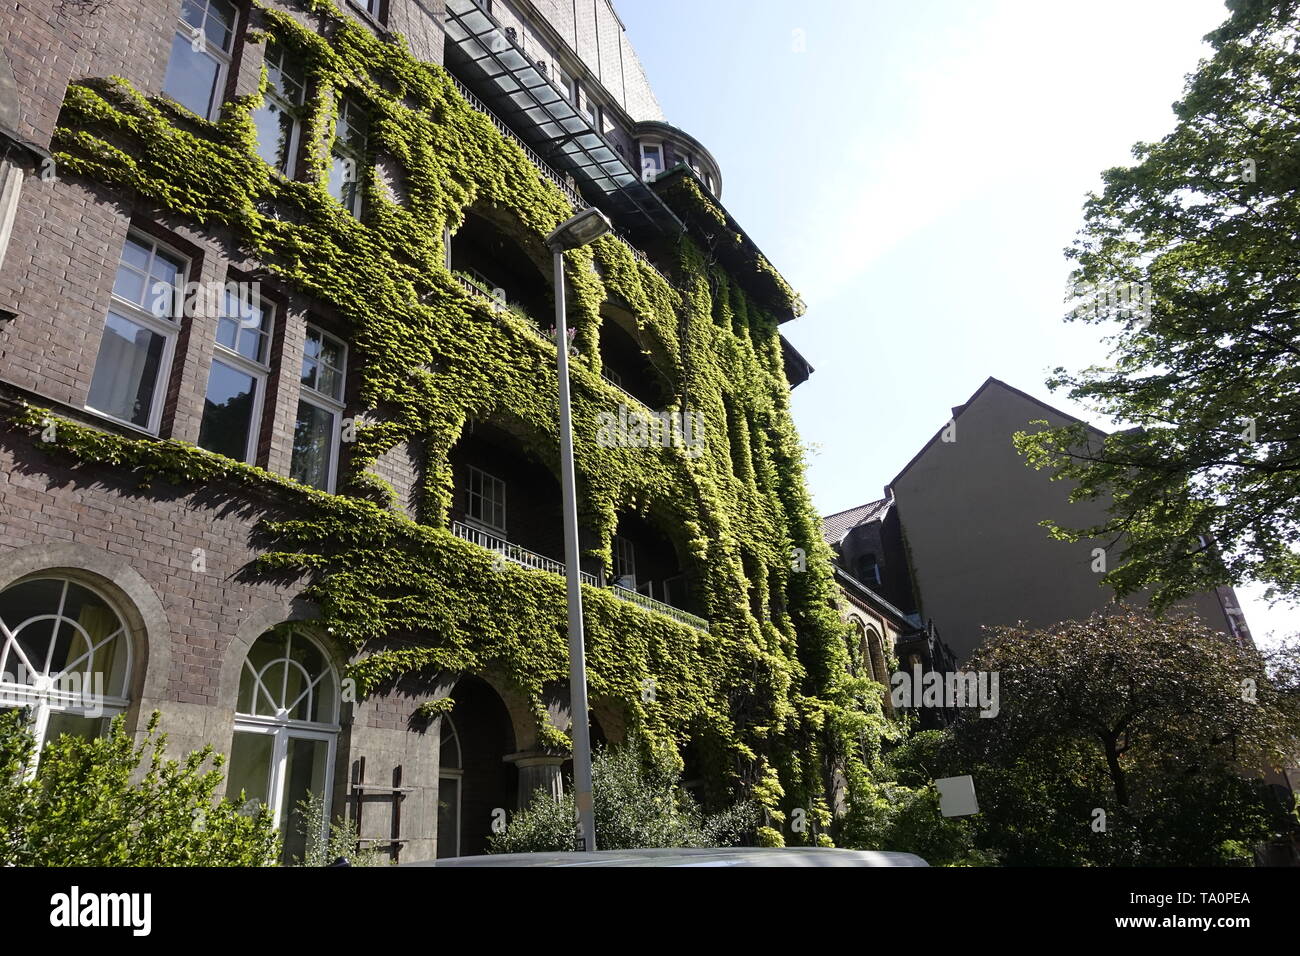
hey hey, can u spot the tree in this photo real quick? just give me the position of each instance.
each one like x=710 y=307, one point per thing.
x=1192 y=254
x=109 y=802
x=1125 y=739
x=638 y=804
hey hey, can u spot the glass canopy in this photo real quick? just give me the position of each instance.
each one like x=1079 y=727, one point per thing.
x=488 y=61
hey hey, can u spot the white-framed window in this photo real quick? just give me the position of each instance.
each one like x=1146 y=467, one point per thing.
x=320 y=410
x=568 y=86
x=449 y=790
x=348 y=155
x=279 y=118
x=65 y=656
x=139 y=340
x=652 y=160
x=232 y=409
x=200 y=58
x=485 y=500
x=286 y=730
x=624 y=563
x=369 y=6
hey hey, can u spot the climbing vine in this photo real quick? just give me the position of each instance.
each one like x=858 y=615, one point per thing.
x=765 y=695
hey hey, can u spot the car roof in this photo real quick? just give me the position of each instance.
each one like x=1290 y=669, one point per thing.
x=677 y=856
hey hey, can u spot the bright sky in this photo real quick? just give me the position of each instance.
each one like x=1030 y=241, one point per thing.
x=915 y=171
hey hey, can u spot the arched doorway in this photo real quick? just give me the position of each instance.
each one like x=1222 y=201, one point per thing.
x=481 y=790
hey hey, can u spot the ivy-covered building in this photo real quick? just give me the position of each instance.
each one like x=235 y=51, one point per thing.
x=279 y=416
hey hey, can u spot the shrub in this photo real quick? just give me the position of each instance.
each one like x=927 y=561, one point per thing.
x=636 y=806
x=109 y=802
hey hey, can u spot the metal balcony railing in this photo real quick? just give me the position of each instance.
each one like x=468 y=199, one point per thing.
x=474 y=287
x=632 y=398
x=514 y=553
x=537 y=562
x=545 y=168
x=659 y=607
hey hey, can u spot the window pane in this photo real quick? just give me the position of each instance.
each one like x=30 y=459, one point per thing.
x=251 y=325
x=249 y=770
x=191 y=77
x=274 y=135
x=192 y=12
x=284 y=76
x=126 y=370
x=448 y=817
x=304 y=775
x=322 y=364
x=228 y=332
x=75 y=725
x=165 y=269
x=343 y=180
x=130 y=282
x=350 y=127
x=228 y=412
x=220 y=25
x=313 y=446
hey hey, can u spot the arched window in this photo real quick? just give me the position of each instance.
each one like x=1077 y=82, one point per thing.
x=879 y=667
x=857 y=649
x=286 y=729
x=449 y=782
x=65 y=654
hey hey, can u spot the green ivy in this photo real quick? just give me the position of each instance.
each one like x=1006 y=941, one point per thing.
x=767 y=699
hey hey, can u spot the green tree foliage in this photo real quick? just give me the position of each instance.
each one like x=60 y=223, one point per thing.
x=637 y=805
x=1162 y=724
x=1208 y=376
x=905 y=815
x=110 y=802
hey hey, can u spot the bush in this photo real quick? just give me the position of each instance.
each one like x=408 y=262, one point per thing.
x=636 y=806
x=108 y=802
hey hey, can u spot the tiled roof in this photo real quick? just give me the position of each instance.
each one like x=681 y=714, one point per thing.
x=836 y=526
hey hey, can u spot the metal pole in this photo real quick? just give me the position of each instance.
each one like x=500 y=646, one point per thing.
x=577 y=657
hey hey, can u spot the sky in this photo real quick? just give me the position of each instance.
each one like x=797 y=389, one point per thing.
x=915 y=170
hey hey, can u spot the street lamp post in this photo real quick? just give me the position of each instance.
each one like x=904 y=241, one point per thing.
x=587 y=226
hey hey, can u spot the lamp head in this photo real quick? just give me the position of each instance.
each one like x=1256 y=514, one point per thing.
x=587 y=226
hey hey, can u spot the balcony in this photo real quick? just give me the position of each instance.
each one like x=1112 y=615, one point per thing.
x=514 y=553
x=632 y=399
x=532 y=560
x=477 y=287
x=659 y=607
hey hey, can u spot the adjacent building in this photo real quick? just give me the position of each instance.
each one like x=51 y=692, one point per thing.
x=957 y=540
